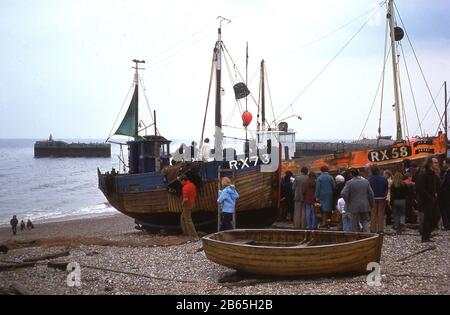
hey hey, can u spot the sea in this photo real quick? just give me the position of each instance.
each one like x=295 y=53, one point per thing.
x=53 y=189
x=50 y=189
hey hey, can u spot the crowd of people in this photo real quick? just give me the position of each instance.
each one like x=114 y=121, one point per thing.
x=15 y=223
x=368 y=200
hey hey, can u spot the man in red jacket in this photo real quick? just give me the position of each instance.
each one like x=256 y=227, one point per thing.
x=188 y=203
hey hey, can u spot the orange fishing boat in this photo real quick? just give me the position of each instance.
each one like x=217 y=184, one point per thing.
x=415 y=149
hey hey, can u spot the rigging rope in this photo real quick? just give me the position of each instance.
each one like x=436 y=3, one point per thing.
x=412 y=90
x=123 y=104
x=239 y=128
x=386 y=53
x=402 y=103
x=240 y=76
x=418 y=63
x=330 y=33
x=443 y=115
x=180 y=50
x=439 y=127
x=231 y=114
x=376 y=94
x=181 y=41
x=253 y=76
x=144 y=91
x=233 y=82
x=431 y=106
x=259 y=112
x=328 y=64
x=237 y=102
x=270 y=94
x=207 y=100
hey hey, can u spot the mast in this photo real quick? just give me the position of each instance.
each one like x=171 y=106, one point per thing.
x=446 y=106
x=218 y=111
x=246 y=75
x=263 y=97
x=154 y=118
x=446 y=114
x=391 y=17
x=246 y=83
x=136 y=89
x=219 y=78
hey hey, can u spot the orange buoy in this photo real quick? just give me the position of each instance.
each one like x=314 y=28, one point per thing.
x=247 y=118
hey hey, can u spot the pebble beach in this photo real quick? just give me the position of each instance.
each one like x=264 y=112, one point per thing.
x=117 y=259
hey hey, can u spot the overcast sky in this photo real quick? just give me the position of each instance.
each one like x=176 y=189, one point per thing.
x=65 y=66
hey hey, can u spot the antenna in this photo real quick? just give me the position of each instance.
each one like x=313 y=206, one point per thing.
x=136 y=91
x=136 y=75
x=223 y=19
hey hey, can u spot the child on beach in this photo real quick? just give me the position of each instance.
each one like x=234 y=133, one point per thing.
x=227 y=199
x=344 y=214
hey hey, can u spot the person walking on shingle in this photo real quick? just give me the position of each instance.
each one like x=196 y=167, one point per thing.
x=14 y=222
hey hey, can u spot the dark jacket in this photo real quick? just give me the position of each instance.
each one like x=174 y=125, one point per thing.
x=444 y=191
x=379 y=185
x=287 y=190
x=337 y=194
x=14 y=222
x=399 y=193
x=427 y=185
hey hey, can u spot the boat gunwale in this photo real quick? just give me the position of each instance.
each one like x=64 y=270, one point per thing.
x=371 y=236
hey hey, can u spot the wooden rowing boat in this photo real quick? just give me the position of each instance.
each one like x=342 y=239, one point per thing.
x=293 y=252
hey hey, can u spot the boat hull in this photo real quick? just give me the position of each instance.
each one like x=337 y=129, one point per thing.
x=205 y=221
x=161 y=208
x=350 y=254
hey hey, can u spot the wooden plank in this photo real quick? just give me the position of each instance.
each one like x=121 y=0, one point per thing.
x=9 y=267
x=49 y=256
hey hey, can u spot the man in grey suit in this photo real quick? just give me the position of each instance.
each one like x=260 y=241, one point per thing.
x=299 y=207
x=359 y=200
